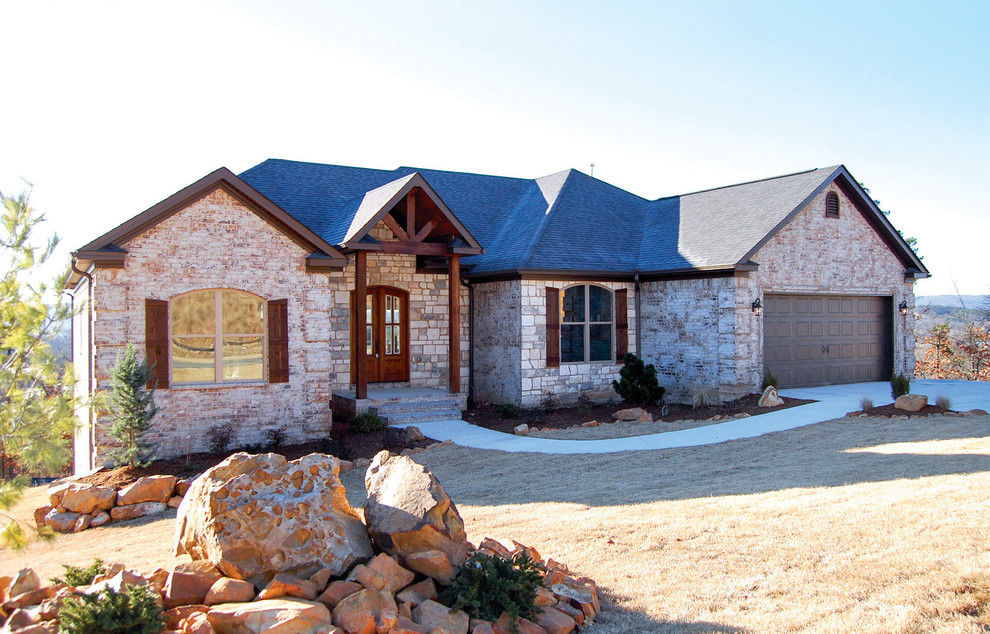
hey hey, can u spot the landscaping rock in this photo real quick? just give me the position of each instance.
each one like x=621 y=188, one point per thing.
x=117 y=582
x=82 y=523
x=440 y=620
x=29 y=598
x=174 y=501
x=99 y=519
x=976 y=412
x=521 y=430
x=576 y=615
x=61 y=522
x=366 y=611
x=321 y=578
x=480 y=626
x=432 y=563
x=409 y=514
x=555 y=622
x=283 y=585
x=157 y=488
x=337 y=591
x=637 y=414
x=39 y=515
x=413 y=434
x=770 y=398
x=227 y=590
x=345 y=466
x=25 y=580
x=56 y=491
x=405 y=625
x=418 y=593
x=189 y=583
x=175 y=616
x=134 y=511
x=396 y=577
x=182 y=486
x=590 y=423
x=525 y=626
x=273 y=616
x=255 y=516
x=911 y=402
x=80 y=497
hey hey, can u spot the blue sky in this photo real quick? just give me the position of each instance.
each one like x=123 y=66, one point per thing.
x=112 y=106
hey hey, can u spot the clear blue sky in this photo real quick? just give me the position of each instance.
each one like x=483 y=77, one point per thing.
x=110 y=107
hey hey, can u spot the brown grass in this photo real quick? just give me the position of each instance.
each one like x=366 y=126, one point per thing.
x=854 y=525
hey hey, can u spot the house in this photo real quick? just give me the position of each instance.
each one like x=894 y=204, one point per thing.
x=262 y=298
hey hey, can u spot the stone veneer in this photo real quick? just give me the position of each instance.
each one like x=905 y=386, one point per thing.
x=703 y=333
x=216 y=242
x=511 y=342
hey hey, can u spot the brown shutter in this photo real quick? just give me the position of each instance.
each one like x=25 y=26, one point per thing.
x=621 y=324
x=156 y=341
x=278 y=341
x=553 y=327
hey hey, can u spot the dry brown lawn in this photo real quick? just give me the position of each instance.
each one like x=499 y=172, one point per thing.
x=854 y=525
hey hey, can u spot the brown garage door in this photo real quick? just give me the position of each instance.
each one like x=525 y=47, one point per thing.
x=826 y=339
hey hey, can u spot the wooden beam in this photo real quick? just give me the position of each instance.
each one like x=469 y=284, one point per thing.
x=454 y=320
x=411 y=212
x=414 y=248
x=396 y=229
x=360 y=325
x=425 y=231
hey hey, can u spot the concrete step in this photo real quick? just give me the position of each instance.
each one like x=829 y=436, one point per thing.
x=401 y=407
x=411 y=418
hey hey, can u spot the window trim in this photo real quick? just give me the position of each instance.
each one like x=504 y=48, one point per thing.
x=218 y=336
x=587 y=324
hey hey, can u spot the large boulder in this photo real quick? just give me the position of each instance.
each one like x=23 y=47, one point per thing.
x=408 y=513
x=911 y=402
x=254 y=516
x=769 y=398
x=274 y=616
x=156 y=488
x=81 y=497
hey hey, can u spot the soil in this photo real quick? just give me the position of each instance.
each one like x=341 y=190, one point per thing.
x=344 y=445
x=563 y=417
x=888 y=411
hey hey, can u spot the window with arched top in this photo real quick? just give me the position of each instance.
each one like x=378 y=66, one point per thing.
x=831 y=205
x=217 y=336
x=586 y=325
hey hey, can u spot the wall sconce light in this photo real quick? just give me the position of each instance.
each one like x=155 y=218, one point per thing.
x=902 y=307
x=757 y=307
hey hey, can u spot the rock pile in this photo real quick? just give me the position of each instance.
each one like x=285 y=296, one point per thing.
x=276 y=547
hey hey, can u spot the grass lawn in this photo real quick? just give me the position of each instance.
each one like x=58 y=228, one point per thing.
x=854 y=525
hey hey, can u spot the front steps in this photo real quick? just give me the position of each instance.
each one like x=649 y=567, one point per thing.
x=403 y=406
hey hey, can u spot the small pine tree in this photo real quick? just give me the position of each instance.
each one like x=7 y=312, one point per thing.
x=134 y=609
x=899 y=385
x=638 y=382
x=132 y=406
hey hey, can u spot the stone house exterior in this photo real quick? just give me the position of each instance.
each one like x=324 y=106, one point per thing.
x=245 y=291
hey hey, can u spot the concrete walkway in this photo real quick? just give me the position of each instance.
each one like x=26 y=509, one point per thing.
x=834 y=402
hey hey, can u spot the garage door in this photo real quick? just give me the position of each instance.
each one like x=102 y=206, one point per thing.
x=826 y=339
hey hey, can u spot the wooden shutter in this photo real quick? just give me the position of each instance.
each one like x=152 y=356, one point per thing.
x=621 y=324
x=278 y=341
x=553 y=327
x=156 y=341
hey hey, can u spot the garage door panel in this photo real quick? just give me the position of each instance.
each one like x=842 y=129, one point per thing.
x=820 y=340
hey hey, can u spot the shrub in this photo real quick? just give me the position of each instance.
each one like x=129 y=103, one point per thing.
x=899 y=385
x=550 y=402
x=487 y=586
x=132 y=406
x=275 y=438
x=133 y=609
x=367 y=423
x=220 y=436
x=768 y=380
x=702 y=396
x=508 y=410
x=943 y=402
x=638 y=382
x=585 y=402
x=866 y=404
x=77 y=576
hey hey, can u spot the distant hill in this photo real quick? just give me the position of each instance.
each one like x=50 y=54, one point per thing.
x=956 y=301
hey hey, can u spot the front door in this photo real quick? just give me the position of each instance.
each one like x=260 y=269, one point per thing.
x=386 y=355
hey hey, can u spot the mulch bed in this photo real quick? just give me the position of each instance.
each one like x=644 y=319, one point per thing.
x=888 y=411
x=560 y=418
x=347 y=446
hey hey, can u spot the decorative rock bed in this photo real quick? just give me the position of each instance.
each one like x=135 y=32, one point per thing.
x=277 y=547
x=631 y=415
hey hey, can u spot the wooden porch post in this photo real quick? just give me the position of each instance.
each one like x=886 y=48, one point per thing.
x=360 y=324
x=454 y=350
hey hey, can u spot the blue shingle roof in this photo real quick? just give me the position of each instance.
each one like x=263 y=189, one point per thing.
x=567 y=220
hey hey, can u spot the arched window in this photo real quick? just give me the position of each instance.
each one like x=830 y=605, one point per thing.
x=217 y=336
x=586 y=328
x=831 y=205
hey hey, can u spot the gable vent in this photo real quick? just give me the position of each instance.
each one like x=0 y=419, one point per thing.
x=832 y=205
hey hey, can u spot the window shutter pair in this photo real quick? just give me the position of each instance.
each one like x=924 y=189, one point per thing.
x=553 y=325
x=156 y=341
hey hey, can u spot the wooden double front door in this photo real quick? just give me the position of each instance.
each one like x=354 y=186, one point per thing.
x=386 y=322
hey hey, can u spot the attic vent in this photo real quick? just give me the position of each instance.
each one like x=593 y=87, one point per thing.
x=832 y=205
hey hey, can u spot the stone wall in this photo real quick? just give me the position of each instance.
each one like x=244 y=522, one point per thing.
x=498 y=342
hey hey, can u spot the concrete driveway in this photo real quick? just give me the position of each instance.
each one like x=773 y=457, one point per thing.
x=833 y=402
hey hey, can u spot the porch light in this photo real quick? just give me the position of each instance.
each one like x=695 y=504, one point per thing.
x=902 y=307
x=757 y=307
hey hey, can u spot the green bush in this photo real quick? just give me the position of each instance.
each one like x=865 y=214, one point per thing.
x=768 y=380
x=899 y=385
x=487 y=586
x=134 y=610
x=77 y=576
x=366 y=423
x=508 y=410
x=638 y=382
x=132 y=406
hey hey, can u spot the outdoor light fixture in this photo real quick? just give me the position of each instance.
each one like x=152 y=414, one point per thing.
x=902 y=307
x=757 y=307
